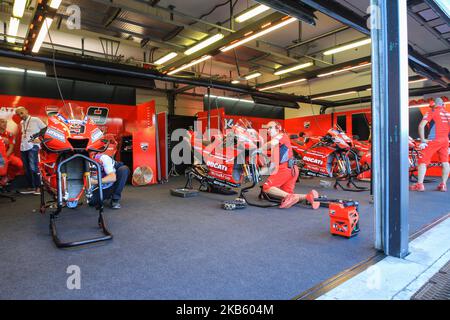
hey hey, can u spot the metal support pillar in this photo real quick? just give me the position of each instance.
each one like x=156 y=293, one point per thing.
x=390 y=125
x=209 y=114
x=171 y=102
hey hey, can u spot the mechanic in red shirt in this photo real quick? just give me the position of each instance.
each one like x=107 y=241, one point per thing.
x=15 y=164
x=437 y=142
x=281 y=183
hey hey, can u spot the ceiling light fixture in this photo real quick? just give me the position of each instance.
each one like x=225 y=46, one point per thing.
x=252 y=75
x=266 y=28
x=365 y=64
x=231 y=99
x=235 y=82
x=250 y=13
x=42 y=34
x=165 y=58
x=55 y=4
x=293 y=68
x=19 y=8
x=190 y=64
x=348 y=47
x=13 y=29
x=420 y=105
x=419 y=80
x=334 y=95
x=39 y=73
x=284 y=84
x=204 y=44
x=12 y=69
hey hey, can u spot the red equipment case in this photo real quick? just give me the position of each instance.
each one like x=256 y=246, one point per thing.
x=344 y=218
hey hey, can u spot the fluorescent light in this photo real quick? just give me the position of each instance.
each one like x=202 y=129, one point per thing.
x=190 y=64
x=42 y=34
x=419 y=80
x=165 y=58
x=253 y=75
x=284 y=84
x=231 y=99
x=334 y=95
x=348 y=46
x=204 y=44
x=296 y=67
x=253 y=12
x=258 y=34
x=235 y=82
x=19 y=8
x=55 y=4
x=12 y=69
x=420 y=105
x=13 y=28
x=39 y=73
x=344 y=69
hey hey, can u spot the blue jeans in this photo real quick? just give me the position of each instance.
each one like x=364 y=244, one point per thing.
x=30 y=164
x=115 y=191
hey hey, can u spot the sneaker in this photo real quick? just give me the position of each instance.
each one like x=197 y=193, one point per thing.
x=289 y=201
x=37 y=192
x=310 y=197
x=3 y=181
x=417 y=187
x=115 y=204
x=442 y=187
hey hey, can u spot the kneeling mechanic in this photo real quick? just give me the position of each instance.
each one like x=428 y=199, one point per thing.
x=114 y=175
x=281 y=183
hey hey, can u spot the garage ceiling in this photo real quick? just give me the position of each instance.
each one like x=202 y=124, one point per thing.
x=159 y=27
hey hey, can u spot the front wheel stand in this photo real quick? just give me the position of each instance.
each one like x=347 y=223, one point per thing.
x=106 y=234
x=59 y=202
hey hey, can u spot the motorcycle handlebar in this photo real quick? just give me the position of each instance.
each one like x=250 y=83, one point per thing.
x=37 y=135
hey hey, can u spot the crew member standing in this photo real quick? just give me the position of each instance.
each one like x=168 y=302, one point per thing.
x=14 y=163
x=437 y=142
x=281 y=183
x=29 y=150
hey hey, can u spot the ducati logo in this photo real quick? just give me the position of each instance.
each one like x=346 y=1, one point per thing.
x=144 y=146
x=217 y=166
x=312 y=160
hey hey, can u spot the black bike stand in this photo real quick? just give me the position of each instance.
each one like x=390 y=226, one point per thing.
x=60 y=244
x=54 y=215
x=350 y=183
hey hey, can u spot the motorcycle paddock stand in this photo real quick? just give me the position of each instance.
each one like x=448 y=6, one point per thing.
x=59 y=205
x=188 y=190
x=350 y=182
x=242 y=201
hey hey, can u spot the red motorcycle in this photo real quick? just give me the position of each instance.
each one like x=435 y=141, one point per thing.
x=66 y=167
x=226 y=162
x=334 y=155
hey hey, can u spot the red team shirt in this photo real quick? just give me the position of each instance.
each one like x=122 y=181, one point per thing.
x=8 y=138
x=439 y=120
x=284 y=178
